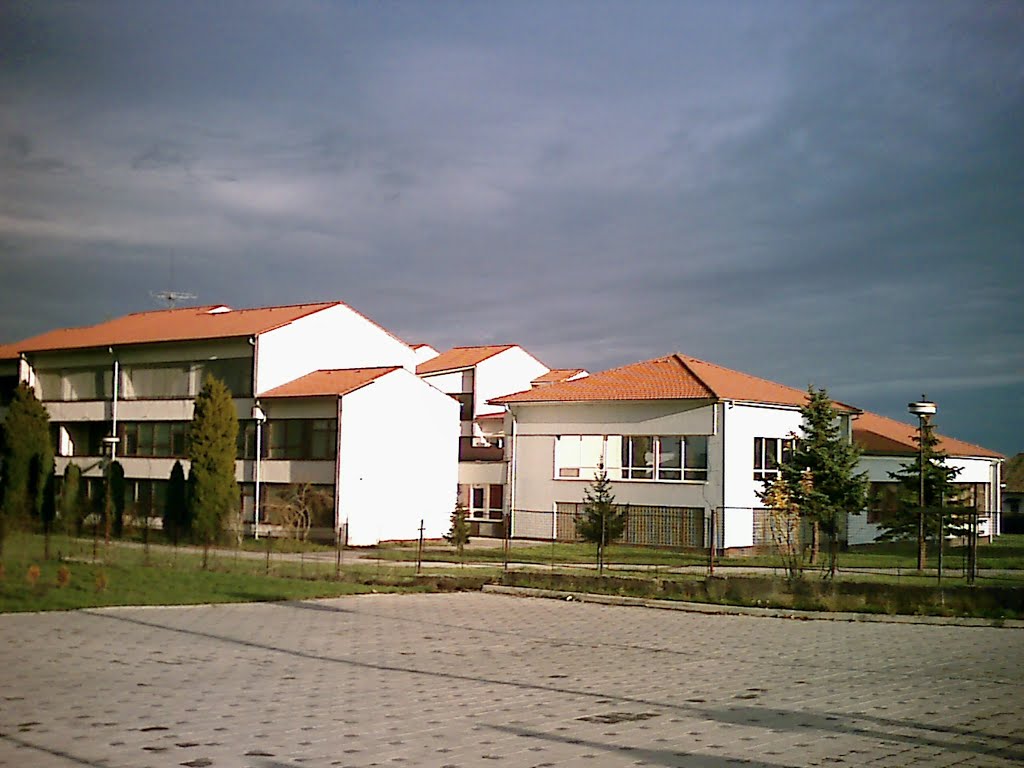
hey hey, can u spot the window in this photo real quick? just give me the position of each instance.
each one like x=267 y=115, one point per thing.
x=769 y=453
x=310 y=439
x=465 y=401
x=578 y=456
x=661 y=458
x=76 y=384
x=695 y=466
x=236 y=373
x=146 y=498
x=146 y=382
x=485 y=502
x=159 y=439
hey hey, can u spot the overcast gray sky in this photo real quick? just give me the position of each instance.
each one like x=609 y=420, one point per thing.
x=827 y=193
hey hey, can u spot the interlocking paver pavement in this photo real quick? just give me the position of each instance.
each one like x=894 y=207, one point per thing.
x=478 y=679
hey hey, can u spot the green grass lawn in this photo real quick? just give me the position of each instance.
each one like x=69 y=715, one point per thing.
x=125 y=576
x=1007 y=552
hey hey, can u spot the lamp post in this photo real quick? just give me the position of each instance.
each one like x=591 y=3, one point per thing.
x=259 y=416
x=924 y=409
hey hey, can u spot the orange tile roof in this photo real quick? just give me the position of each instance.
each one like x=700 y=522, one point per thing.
x=663 y=378
x=8 y=351
x=328 y=383
x=557 y=374
x=879 y=434
x=673 y=377
x=459 y=358
x=181 y=324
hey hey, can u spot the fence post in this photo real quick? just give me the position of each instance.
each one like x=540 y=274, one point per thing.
x=712 y=535
x=419 y=552
x=506 y=523
x=337 y=554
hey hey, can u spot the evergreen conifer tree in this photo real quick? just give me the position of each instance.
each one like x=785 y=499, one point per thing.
x=821 y=475
x=903 y=523
x=27 y=459
x=601 y=522
x=70 y=500
x=458 y=533
x=175 y=515
x=117 y=490
x=213 y=440
x=48 y=510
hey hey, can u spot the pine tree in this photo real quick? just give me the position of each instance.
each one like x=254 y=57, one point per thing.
x=48 y=511
x=601 y=522
x=213 y=439
x=458 y=533
x=175 y=514
x=70 y=500
x=117 y=490
x=821 y=473
x=904 y=523
x=27 y=459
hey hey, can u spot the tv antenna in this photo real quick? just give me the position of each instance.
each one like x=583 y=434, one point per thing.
x=172 y=297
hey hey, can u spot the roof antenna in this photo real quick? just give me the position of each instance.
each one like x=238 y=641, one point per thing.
x=172 y=297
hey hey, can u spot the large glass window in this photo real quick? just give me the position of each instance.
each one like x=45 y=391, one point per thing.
x=663 y=458
x=769 y=453
x=159 y=439
x=172 y=380
x=95 y=383
x=236 y=373
x=311 y=439
x=578 y=456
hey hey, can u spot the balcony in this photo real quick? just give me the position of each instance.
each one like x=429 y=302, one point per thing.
x=470 y=452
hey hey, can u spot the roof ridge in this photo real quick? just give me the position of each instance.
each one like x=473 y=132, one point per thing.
x=682 y=361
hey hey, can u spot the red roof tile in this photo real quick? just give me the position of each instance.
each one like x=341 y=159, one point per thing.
x=664 y=378
x=556 y=375
x=673 y=377
x=460 y=358
x=879 y=434
x=181 y=324
x=328 y=383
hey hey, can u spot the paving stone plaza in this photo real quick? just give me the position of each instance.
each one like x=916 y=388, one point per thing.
x=478 y=679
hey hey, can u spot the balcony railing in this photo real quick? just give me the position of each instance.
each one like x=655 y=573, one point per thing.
x=470 y=452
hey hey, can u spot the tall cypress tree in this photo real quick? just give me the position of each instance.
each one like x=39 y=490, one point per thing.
x=175 y=512
x=27 y=459
x=903 y=522
x=71 y=500
x=213 y=439
x=821 y=474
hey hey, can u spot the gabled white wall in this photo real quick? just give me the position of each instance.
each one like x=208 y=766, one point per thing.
x=504 y=373
x=972 y=470
x=336 y=337
x=425 y=352
x=741 y=424
x=398 y=460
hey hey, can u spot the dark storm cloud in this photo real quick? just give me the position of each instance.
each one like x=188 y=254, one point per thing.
x=810 y=193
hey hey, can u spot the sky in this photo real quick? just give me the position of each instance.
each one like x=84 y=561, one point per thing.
x=815 y=193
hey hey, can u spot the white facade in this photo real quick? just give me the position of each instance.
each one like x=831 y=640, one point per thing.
x=397 y=460
x=332 y=338
x=502 y=374
x=976 y=470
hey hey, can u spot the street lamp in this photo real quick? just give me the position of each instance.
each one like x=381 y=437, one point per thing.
x=924 y=409
x=259 y=416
